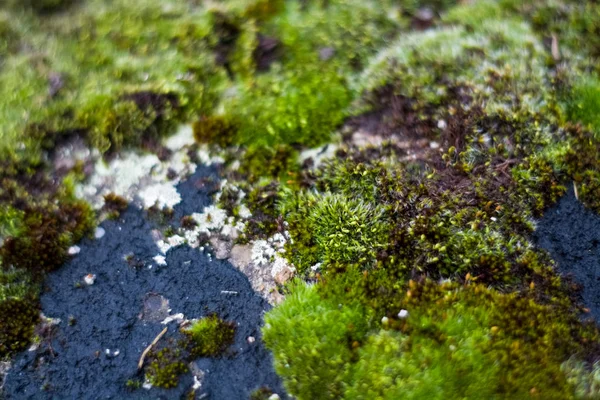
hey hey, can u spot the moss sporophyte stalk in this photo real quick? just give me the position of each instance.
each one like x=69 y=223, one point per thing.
x=442 y=131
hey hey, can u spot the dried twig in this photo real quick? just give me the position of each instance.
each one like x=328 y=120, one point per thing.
x=554 y=48
x=156 y=339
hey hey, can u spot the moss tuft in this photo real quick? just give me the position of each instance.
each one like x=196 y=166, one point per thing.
x=209 y=336
x=165 y=368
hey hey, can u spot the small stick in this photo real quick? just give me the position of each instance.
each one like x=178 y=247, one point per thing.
x=554 y=48
x=575 y=190
x=145 y=352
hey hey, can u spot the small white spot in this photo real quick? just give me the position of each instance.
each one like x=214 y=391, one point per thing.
x=147 y=385
x=99 y=233
x=385 y=320
x=494 y=219
x=403 y=314
x=116 y=353
x=74 y=250
x=250 y=339
x=107 y=352
x=160 y=259
x=442 y=124
x=89 y=279
x=274 y=397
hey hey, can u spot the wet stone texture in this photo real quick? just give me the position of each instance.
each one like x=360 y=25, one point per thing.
x=571 y=234
x=104 y=328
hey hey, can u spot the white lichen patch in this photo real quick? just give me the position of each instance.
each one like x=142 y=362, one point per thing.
x=142 y=178
x=161 y=194
x=182 y=138
x=160 y=260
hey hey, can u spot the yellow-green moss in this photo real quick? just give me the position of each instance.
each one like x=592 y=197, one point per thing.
x=209 y=336
x=165 y=368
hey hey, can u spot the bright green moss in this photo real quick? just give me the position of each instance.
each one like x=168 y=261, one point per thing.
x=340 y=230
x=290 y=107
x=312 y=341
x=451 y=341
x=209 y=336
x=583 y=103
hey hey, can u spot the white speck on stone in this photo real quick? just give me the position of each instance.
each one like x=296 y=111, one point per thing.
x=250 y=339
x=107 y=352
x=441 y=124
x=99 y=233
x=160 y=259
x=172 y=241
x=89 y=279
x=73 y=250
x=116 y=353
x=274 y=396
x=147 y=385
x=403 y=314
x=197 y=383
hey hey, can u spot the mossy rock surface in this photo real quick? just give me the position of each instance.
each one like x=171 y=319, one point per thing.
x=403 y=152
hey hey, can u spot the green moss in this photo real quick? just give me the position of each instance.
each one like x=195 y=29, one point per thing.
x=312 y=342
x=18 y=310
x=583 y=104
x=451 y=342
x=165 y=368
x=262 y=202
x=340 y=229
x=209 y=336
x=290 y=107
x=118 y=73
x=214 y=129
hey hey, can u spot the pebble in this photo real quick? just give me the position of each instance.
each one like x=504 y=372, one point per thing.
x=99 y=233
x=74 y=250
x=89 y=279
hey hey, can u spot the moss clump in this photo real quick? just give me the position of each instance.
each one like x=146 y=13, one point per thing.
x=209 y=336
x=290 y=107
x=451 y=341
x=18 y=310
x=18 y=318
x=343 y=230
x=583 y=103
x=114 y=205
x=262 y=202
x=165 y=368
x=214 y=129
x=313 y=342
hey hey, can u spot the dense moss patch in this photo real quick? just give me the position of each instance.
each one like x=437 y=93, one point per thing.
x=209 y=336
